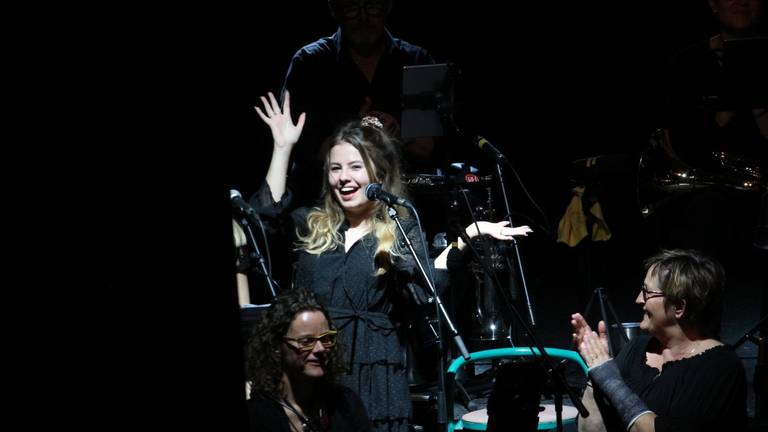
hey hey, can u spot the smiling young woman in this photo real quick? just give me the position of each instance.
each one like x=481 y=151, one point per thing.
x=351 y=254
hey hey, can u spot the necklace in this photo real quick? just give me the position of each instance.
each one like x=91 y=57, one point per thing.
x=307 y=424
x=688 y=353
x=693 y=349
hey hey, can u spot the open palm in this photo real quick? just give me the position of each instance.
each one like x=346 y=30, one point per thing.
x=284 y=132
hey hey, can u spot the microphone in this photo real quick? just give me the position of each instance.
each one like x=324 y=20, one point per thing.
x=239 y=203
x=488 y=148
x=374 y=192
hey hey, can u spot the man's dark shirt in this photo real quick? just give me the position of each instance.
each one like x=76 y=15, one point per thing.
x=325 y=82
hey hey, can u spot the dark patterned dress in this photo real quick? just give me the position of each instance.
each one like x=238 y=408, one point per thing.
x=371 y=312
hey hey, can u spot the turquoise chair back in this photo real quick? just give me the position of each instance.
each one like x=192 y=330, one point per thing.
x=502 y=353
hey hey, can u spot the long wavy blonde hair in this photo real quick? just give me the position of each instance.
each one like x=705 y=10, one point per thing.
x=382 y=161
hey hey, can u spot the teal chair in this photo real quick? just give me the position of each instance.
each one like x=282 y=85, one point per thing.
x=476 y=420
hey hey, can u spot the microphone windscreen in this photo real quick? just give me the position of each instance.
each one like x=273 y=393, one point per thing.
x=372 y=191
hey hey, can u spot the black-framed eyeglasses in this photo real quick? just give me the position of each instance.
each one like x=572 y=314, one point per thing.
x=307 y=343
x=351 y=9
x=648 y=294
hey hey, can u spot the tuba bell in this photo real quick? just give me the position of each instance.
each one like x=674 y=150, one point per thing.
x=663 y=176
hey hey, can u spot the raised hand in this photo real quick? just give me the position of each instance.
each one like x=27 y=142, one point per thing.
x=284 y=133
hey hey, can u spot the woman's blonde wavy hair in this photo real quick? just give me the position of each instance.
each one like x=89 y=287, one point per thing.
x=382 y=161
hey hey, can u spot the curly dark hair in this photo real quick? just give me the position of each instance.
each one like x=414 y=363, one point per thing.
x=263 y=358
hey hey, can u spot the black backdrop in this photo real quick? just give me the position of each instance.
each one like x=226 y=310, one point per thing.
x=152 y=122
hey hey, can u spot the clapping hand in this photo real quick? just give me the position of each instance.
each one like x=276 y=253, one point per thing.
x=593 y=346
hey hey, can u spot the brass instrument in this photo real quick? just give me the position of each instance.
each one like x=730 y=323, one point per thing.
x=662 y=175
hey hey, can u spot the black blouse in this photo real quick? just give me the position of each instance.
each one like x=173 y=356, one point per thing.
x=701 y=393
x=372 y=312
x=345 y=413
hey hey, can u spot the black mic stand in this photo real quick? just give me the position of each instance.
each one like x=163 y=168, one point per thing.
x=599 y=292
x=245 y=216
x=528 y=304
x=555 y=374
x=442 y=409
x=750 y=335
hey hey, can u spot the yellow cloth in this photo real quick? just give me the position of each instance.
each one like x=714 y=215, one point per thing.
x=573 y=225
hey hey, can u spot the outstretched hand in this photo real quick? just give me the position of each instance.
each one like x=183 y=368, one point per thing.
x=498 y=230
x=284 y=132
x=593 y=346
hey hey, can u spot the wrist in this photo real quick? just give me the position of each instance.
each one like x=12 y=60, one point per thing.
x=472 y=230
x=627 y=404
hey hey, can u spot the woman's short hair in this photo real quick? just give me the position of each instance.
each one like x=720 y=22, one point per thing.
x=696 y=279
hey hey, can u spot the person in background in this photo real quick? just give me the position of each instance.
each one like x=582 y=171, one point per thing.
x=716 y=124
x=355 y=72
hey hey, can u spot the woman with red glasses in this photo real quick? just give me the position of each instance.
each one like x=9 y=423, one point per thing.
x=678 y=376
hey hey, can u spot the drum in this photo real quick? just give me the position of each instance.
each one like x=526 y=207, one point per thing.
x=458 y=175
x=515 y=400
x=478 y=420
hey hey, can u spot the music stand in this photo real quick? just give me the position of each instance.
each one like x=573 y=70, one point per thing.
x=427 y=99
x=589 y=172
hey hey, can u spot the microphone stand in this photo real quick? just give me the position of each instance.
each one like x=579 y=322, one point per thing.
x=555 y=374
x=442 y=408
x=528 y=303
x=253 y=217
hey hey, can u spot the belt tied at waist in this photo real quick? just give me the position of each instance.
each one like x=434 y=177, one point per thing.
x=375 y=321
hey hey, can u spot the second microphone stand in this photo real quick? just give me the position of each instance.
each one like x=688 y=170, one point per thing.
x=529 y=305
x=245 y=217
x=553 y=371
x=441 y=314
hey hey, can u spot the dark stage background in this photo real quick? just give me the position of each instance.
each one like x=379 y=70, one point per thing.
x=547 y=84
x=174 y=129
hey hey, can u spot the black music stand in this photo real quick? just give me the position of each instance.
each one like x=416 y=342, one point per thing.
x=602 y=300
x=427 y=99
x=761 y=369
x=589 y=171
